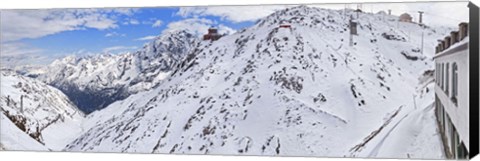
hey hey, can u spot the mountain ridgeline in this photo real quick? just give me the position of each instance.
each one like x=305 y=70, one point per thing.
x=94 y=82
x=265 y=90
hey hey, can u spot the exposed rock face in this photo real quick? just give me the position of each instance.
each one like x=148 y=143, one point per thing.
x=94 y=82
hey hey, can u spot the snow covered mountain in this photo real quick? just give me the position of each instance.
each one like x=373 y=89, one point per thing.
x=96 y=81
x=270 y=90
x=34 y=115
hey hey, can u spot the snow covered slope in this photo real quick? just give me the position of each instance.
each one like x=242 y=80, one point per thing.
x=13 y=138
x=34 y=115
x=266 y=90
x=93 y=82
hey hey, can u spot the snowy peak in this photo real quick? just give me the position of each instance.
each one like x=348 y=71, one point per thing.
x=93 y=82
x=166 y=50
x=302 y=15
x=270 y=89
x=172 y=42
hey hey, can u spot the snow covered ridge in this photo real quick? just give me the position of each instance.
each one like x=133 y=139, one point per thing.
x=96 y=81
x=293 y=91
x=34 y=115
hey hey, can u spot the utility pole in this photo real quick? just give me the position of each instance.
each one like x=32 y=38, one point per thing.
x=351 y=39
x=351 y=32
x=420 y=21
x=359 y=9
x=420 y=17
x=21 y=104
x=422 y=42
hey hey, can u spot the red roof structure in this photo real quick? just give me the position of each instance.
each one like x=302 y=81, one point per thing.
x=212 y=35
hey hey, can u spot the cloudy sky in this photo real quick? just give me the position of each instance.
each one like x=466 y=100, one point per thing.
x=40 y=36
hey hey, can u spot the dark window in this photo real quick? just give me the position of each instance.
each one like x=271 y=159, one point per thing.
x=442 y=77
x=437 y=69
x=462 y=151
x=447 y=78
x=454 y=83
x=454 y=137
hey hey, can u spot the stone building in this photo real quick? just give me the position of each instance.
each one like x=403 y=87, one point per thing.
x=405 y=18
x=452 y=92
x=212 y=35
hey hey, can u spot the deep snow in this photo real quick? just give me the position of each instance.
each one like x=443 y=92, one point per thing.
x=299 y=91
x=47 y=121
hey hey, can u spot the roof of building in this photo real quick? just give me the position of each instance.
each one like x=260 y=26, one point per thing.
x=453 y=48
x=405 y=16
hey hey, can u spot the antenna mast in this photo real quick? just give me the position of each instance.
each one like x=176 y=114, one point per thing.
x=420 y=17
x=359 y=8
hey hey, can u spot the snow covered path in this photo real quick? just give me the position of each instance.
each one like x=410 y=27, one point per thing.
x=406 y=131
x=406 y=139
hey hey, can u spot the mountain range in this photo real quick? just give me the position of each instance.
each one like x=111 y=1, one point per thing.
x=292 y=84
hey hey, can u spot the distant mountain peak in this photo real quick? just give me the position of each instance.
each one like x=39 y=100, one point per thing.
x=95 y=81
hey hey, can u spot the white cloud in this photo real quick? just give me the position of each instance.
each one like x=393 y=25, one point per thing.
x=134 y=22
x=81 y=52
x=232 y=13
x=151 y=37
x=225 y=29
x=130 y=21
x=197 y=26
x=30 y=24
x=21 y=24
x=157 y=23
x=113 y=34
x=16 y=48
x=118 y=49
x=123 y=11
x=15 y=53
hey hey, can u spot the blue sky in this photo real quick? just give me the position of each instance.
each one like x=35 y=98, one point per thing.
x=40 y=36
x=128 y=33
x=129 y=28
